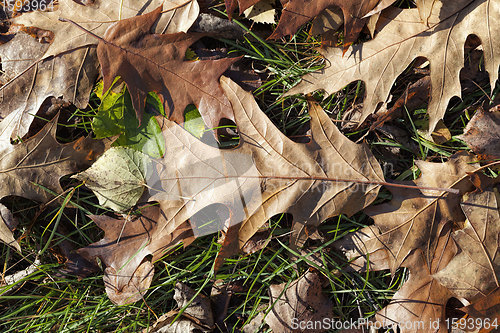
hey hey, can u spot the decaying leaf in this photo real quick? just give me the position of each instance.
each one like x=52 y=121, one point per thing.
x=7 y=222
x=118 y=177
x=475 y=271
x=126 y=246
x=411 y=219
x=402 y=37
x=68 y=66
x=70 y=75
x=40 y=160
x=415 y=230
x=196 y=318
x=303 y=301
x=150 y=62
x=482 y=133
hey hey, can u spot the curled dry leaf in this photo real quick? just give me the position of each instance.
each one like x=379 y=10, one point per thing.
x=296 y=14
x=402 y=38
x=68 y=66
x=302 y=301
x=482 y=133
x=151 y=62
x=197 y=317
x=118 y=177
x=127 y=245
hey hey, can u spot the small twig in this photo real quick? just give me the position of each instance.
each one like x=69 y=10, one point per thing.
x=18 y=276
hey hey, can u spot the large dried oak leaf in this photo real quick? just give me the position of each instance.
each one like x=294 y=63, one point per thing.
x=402 y=37
x=265 y=175
x=151 y=62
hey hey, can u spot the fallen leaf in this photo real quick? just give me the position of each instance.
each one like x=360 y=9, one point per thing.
x=415 y=230
x=150 y=62
x=197 y=317
x=295 y=14
x=116 y=117
x=302 y=302
x=136 y=287
x=419 y=305
x=70 y=75
x=410 y=220
x=475 y=271
x=6 y=225
x=401 y=39
x=199 y=310
x=41 y=160
x=118 y=177
x=482 y=133
x=97 y=16
x=126 y=244
x=68 y=66
x=272 y=173
x=262 y=12
x=487 y=310
x=243 y=187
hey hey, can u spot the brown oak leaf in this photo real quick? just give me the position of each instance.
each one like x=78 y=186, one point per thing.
x=446 y=256
x=39 y=160
x=151 y=62
x=240 y=189
x=401 y=38
x=125 y=247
